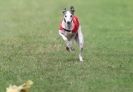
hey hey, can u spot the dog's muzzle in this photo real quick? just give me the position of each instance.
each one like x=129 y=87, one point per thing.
x=68 y=23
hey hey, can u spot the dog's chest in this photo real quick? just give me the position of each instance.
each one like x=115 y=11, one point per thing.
x=70 y=35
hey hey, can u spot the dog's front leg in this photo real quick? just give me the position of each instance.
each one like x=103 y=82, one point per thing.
x=68 y=43
x=63 y=36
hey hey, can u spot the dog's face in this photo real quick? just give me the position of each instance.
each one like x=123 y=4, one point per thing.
x=68 y=18
x=68 y=14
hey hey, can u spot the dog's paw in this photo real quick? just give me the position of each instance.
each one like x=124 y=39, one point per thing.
x=65 y=39
x=67 y=48
x=70 y=49
x=80 y=58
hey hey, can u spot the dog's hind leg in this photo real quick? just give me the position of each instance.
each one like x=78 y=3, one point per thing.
x=80 y=40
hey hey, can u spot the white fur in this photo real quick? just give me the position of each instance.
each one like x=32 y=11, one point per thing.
x=67 y=16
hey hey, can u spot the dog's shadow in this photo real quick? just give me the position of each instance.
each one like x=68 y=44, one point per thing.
x=73 y=60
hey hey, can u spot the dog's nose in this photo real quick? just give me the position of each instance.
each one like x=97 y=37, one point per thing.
x=68 y=22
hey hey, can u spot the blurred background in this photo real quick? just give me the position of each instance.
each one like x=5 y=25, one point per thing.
x=30 y=47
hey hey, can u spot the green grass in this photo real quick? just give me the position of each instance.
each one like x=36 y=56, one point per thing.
x=29 y=48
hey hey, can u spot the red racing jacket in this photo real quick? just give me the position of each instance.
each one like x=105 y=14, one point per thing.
x=75 y=25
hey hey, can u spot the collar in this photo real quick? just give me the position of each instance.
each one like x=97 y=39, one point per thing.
x=67 y=30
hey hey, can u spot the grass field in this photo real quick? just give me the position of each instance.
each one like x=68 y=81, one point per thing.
x=29 y=48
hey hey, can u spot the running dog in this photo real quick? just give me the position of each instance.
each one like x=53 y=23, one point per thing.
x=70 y=29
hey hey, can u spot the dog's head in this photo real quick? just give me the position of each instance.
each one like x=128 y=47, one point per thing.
x=68 y=15
x=22 y=88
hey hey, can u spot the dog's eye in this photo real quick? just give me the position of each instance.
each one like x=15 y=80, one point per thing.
x=71 y=16
x=65 y=16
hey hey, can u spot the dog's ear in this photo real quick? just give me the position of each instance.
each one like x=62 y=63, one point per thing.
x=72 y=9
x=64 y=11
